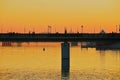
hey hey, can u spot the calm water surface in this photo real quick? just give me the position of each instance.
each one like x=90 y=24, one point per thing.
x=30 y=62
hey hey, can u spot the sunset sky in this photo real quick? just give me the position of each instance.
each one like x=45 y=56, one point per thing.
x=17 y=15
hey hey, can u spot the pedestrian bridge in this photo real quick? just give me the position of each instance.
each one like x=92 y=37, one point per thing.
x=65 y=38
x=58 y=37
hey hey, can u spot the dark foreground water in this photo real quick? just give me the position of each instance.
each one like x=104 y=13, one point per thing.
x=31 y=62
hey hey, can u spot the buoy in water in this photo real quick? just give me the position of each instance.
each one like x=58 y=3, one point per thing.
x=43 y=49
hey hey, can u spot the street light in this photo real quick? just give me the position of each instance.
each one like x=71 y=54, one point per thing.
x=49 y=29
x=116 y=28
x=82 y=29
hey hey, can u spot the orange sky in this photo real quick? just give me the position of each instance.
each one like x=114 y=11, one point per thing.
x=15 y=15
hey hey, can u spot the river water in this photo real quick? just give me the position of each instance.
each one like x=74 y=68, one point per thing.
x=31 y=62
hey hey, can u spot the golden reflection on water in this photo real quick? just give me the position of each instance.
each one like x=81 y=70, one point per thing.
x=32 y=59
x=90 y=58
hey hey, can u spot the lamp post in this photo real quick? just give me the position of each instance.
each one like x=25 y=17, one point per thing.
x=82 y=29
x=49 y=29
x=116 y=28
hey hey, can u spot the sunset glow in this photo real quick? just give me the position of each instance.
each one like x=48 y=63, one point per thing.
x=17 y=15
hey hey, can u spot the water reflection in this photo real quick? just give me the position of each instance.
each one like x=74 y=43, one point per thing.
x=102 y=59
x=105 y=49
x=65 y=75
x=85 y=64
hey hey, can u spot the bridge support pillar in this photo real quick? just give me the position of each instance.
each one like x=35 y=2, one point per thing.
x=65 y=59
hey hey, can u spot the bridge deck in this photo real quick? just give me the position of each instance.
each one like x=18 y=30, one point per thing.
x=58 y=37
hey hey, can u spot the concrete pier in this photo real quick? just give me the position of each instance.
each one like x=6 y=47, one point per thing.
x=6 y=44
x=65 y=57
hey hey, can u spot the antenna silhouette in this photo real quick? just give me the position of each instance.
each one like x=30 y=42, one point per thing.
x=94 y=29
x=24 y=30
x=1 y=28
